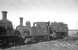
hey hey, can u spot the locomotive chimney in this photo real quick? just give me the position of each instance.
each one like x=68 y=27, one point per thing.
x=4 y=14
x=21 y=21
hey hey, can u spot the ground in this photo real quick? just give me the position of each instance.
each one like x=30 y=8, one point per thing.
x=48 y=45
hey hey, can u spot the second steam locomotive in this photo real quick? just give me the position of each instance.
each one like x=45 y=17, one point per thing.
x=42 y=31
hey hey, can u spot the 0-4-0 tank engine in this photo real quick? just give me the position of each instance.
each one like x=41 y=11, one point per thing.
x=8 y=36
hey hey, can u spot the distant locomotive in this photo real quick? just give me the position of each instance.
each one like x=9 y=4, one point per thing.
x=58 y=30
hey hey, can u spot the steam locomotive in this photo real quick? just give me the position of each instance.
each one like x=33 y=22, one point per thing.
x=8 y=35
x=42 y=31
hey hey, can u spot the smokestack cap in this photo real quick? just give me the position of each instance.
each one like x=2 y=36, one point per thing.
x=21 y=17
x=4 y=11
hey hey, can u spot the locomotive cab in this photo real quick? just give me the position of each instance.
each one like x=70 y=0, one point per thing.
x=40 y=31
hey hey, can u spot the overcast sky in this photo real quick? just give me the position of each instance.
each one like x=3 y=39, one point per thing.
x=42 y=10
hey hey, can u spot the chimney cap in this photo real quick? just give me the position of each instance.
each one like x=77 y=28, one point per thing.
x=21 y=17
x=4 y=11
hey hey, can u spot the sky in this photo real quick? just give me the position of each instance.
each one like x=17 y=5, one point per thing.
x=41 y=10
